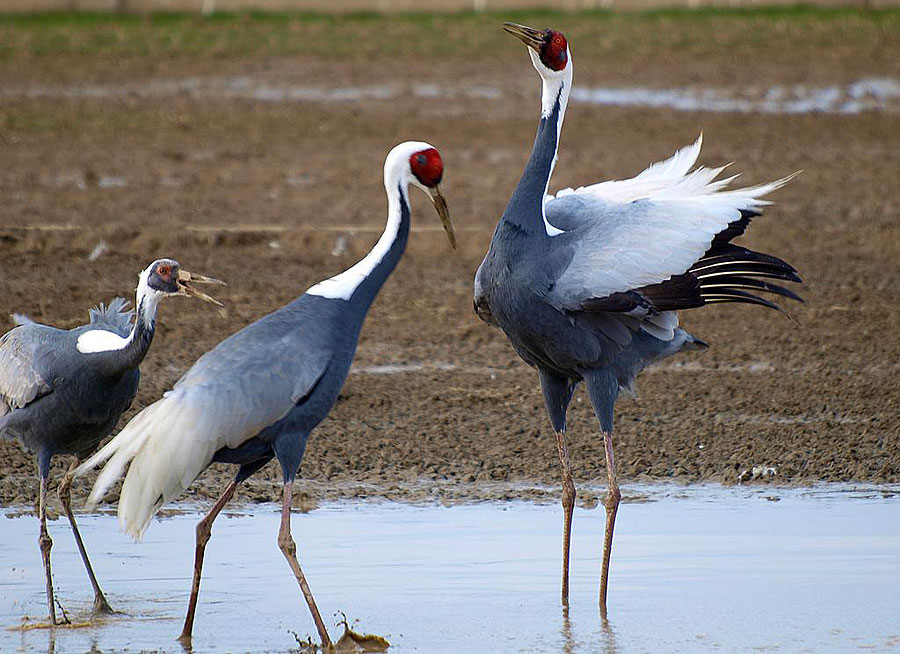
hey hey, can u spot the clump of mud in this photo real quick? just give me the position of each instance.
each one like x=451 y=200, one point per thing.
x=350 y=642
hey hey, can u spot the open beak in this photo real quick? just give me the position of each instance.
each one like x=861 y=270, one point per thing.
x=531 y=37
x=185 y=281
x=440 y=205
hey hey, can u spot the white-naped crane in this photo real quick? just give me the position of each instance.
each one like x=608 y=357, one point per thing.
x=63 y=391
x=259 y=393
x=587 y=285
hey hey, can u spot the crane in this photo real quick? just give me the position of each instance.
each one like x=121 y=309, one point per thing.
x=63 y=391
x=586 y=285
x=259 y=393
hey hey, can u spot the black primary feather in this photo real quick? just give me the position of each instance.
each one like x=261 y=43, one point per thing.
x=722 y=274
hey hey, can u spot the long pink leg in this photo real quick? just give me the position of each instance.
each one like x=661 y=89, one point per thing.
x=612 y=505
x=289 y=548
x=64 y=492
x=204 y=531
x=46 y=543
x=568 y=503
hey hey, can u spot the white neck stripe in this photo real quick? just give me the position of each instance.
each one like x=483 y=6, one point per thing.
x=556 y=85
x=343 y=285
x=101 y=340
x=397 y=176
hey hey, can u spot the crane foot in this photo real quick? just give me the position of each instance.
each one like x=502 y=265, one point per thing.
x=101 y=606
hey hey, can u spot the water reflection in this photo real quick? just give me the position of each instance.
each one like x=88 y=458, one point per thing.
x=568 y=639
x=609 y=635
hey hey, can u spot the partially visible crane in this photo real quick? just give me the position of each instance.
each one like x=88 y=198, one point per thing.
x=259 y=393
x=63 y=391
x=587 y=285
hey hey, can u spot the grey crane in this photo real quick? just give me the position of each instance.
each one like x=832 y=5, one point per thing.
x=587 y=285
x=63 y=391
x=259 y=393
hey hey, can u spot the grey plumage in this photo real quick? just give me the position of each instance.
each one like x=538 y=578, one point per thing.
x=117 y=317
x=260 y=392
x=63 y=391
x=37 y=361
x=586 y=285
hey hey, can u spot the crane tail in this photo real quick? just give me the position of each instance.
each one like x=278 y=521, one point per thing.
x=119 y=452
x=162 y=462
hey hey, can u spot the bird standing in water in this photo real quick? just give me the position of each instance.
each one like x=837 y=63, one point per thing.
x=259 y=393
x=586 y=285
x=63 y=391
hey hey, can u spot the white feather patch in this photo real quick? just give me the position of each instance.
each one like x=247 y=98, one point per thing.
x=100 y=340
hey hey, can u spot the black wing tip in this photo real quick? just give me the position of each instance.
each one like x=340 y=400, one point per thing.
x=729 y=295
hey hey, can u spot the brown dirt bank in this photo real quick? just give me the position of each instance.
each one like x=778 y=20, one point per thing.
x=260 y=194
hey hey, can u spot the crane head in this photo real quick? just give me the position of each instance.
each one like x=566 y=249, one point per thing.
x=550 y=46
x=427 y=170
x=166 y=277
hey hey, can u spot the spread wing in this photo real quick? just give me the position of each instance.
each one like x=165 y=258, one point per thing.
x=648 y=231
x=23 y=375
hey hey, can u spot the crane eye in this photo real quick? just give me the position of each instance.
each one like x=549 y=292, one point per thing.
x=421 y=160
x=163 y=271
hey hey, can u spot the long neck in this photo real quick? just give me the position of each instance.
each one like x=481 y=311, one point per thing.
x=137 y=343
x=361 y=283
x=525 y=210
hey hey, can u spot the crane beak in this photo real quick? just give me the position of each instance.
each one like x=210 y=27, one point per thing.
x=440 y=205
x=185 y=279
x=531 y=37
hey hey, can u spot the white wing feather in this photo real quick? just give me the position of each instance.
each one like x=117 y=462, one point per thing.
x=630 y=233
x=173 y=440
x=656 y=178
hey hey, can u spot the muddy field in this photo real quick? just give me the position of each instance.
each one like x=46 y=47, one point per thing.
x=275 y=192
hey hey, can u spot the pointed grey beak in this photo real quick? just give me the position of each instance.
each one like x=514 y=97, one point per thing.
x=531 y=37
x=185 y=278
x=440 y=205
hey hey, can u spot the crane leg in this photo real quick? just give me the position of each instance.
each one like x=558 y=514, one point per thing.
x=289 y=548
x=64 y=492
x=568 y=503
x=204 y=531
x=603 y=389
x=612 y=505
x=46 y=543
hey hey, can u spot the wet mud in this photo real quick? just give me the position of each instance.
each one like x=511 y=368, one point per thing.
x=273 y=196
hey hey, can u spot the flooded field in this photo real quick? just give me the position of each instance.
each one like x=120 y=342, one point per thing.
x=251 y=148
x=698 y=568
x=866 y=94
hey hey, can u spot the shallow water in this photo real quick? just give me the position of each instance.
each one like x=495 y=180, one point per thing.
x=865 y=94
x=694 y=569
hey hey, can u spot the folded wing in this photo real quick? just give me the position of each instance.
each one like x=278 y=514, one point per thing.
x=231 y=394
x=23 y=377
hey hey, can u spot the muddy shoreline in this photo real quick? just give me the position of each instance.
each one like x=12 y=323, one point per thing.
x=274 y=196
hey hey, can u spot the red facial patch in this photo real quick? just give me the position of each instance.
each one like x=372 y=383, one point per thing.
x=427 y=166
x=555 y=52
